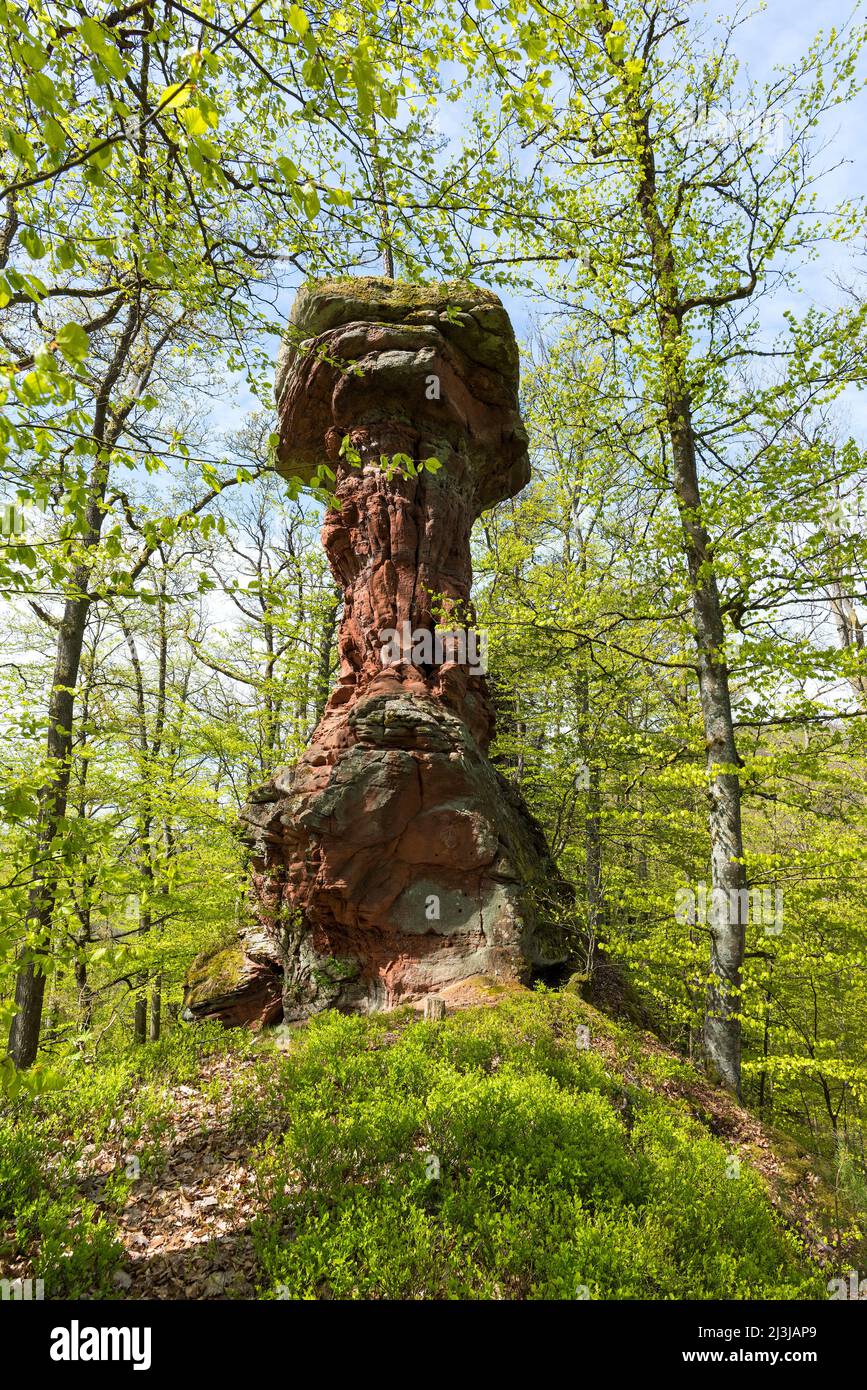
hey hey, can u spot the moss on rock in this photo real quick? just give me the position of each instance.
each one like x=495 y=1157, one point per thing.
x=215 y=973
x=470 y=317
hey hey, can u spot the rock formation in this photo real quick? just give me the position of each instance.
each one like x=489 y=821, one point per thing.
x=394 y=860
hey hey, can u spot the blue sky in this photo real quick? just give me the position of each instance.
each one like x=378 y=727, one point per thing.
x=776 y=34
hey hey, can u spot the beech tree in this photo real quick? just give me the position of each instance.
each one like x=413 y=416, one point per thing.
x=668 y=197
x=148 y=162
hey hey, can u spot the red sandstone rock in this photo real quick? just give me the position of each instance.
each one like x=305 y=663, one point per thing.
x=240 y=983
x=394 y=861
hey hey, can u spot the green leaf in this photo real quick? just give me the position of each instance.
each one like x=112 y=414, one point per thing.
x=73 y=342
x=287 y=168
x=102 y=46
x=177 y=95
x=32 y=243
x=339 y=197
x=298 y=21
x=34 y=56
x=53 y=133
x=18 y=145
x=40 y=89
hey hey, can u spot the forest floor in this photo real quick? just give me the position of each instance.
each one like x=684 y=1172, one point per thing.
x=186 y=1229
x=186 y=1232
x=215 y=1172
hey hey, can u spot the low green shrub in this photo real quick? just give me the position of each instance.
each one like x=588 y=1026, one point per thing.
x=68 y=1242
x=488 y=1156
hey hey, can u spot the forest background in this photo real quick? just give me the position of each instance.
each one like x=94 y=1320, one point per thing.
x=668 y=202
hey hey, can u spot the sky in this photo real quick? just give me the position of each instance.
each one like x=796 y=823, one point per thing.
x=783 y=31
x=777 y=33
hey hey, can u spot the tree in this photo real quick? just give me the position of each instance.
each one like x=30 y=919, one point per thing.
x=665 y=217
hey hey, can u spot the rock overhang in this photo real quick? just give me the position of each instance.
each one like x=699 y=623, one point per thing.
x=360 y=352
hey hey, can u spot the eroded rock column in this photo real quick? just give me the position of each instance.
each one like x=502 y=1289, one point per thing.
x=394 y=860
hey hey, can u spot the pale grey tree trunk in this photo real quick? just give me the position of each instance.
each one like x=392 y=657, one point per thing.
x=722 y=1032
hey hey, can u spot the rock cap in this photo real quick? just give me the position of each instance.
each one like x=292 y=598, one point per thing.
x=358 y=353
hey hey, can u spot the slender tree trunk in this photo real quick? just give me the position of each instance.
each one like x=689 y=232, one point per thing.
x=850 y=631
x=156 y=1009
x=30 y=983
x=84 y=994
x=270 y=716
x=722 y=1032
x=592 y=824
x=85 y=997
x=140 y=1017
x=766 y=1043
x=593 y=867
x=149 y=752
x=381 y=199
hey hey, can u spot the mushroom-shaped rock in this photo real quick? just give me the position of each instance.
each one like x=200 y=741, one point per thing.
x=394 y=860
x=432 y=372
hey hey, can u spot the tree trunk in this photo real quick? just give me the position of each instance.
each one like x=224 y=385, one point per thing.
x=850 y=631
x=728 y=900
x=140 y=1031
x=156 y=1009
x=30 y=984
x=593 y=865
x=85 y=997
x=722 y=1033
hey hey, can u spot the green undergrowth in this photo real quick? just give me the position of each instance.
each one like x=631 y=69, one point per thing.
x=494 y=1156
x=491 y=1155
x=50 y=1228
